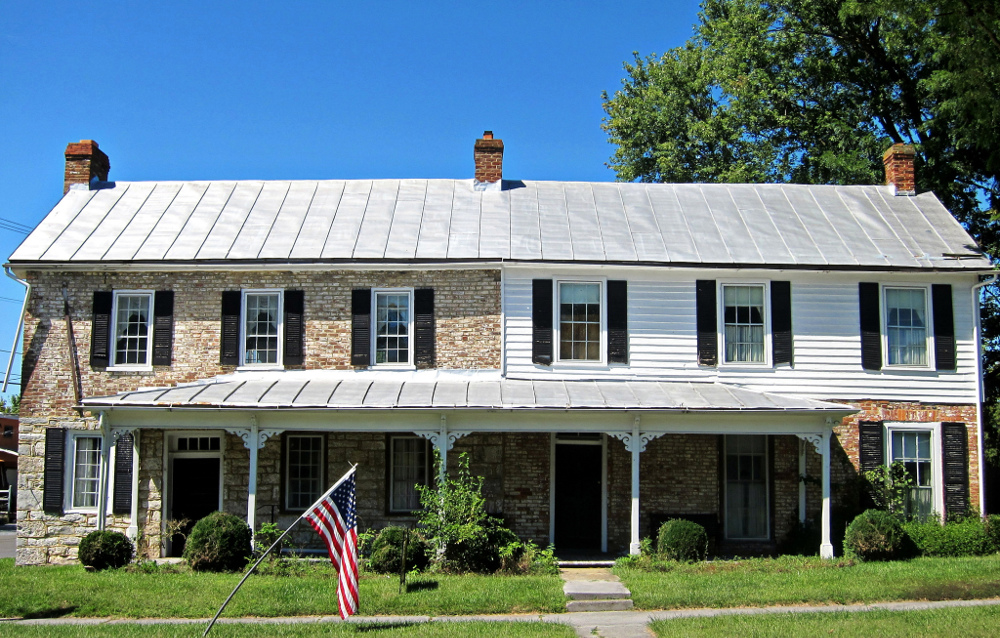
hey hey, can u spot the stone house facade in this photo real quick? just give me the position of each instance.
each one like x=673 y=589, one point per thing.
x=607 y=355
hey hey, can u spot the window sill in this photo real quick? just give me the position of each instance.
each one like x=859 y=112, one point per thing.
x=581 y=365
x=392 y=366
x=259 y=366
x=129 y=369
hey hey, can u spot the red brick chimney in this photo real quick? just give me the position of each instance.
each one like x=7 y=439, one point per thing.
x=489 y=163
x=899 y=174
x=84 y=162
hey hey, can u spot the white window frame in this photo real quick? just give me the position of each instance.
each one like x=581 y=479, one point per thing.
x=720 y=294
x=767 y=488
x=937 y=463
x=113 y=332
x=71 y=471
x=428 y=456
x=601 y=283
x=928 y=328
x=287 y=506
x=410 y=363
x=281 y=328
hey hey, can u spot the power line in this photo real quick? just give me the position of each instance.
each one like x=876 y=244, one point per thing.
x=11 y=299
x=17 y=227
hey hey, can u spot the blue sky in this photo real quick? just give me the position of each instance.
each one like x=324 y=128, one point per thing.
x=309 y=90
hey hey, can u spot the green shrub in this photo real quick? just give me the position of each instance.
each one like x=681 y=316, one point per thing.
x=967 y=537
x=680 y=539
x=387 y=548
x=803 y=539
x=102 y=549
x=992 y=530
x=876 y=535
x=218 y=542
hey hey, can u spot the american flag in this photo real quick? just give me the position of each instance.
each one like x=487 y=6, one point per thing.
x=335 y=518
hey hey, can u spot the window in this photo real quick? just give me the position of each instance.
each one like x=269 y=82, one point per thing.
x=131 y=339
x=746 y=487
x=744 y=329
x=408 y=465
x=303 y=470
x=393 y=327
x=906 y=326
x=261 y=327
x=913 y=450
x=85 y=472
x=580 y=321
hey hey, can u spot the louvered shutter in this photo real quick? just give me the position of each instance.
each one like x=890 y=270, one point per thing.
x=541 y=321
x=361 y=327
x=871 y=326
x=423 y=311
x=955 y=448
x=871 y=445
x=294 y=325
x=121 y=500
x=163 y=327
x=617 y=322
x=230 y=350
x=781 y=322
x=100 y=329
x=707 y=322
x=55 y=470
x=944 y=327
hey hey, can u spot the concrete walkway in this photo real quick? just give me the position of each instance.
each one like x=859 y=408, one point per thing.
x=608 y=624
x=594 y=589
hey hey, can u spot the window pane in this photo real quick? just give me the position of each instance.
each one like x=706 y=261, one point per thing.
x=304 y=469
x=131 y=329
x=260 y=329
x=913 y=450
x=746 y=487
x=580 y=321
x=906 y=326
x=392 y=327
x=744 y=324
x=86 y=468
x=409 y=468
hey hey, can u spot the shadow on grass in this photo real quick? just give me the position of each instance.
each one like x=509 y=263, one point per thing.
x=421 y=585
x=382 y=626
x=958 y=591
x=55 y=612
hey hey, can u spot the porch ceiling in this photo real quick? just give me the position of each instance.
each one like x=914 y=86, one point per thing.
x=452 y=390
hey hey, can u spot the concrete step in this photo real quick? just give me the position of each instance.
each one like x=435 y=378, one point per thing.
x=596 y=590
x=586 y=563
x=599 y=605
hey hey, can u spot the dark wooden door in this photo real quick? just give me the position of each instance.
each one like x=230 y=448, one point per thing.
x=194 y=494
x=578 y=497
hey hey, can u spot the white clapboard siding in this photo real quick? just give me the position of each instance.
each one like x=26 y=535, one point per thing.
x=825 y=319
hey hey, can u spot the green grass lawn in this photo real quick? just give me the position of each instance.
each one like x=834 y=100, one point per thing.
x=68 y=590
x=966 y=622
x=422 y=630
x=792 y=579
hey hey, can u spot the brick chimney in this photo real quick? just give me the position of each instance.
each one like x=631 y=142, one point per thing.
x=899 y=174
x=84 y=162
x=489 y=163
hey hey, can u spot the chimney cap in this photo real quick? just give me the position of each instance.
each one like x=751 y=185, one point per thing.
x=487 y=135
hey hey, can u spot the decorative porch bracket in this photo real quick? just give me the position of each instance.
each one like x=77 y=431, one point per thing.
x=443 y=440
x=822 y=444
x=253 y=440
x=635 y=442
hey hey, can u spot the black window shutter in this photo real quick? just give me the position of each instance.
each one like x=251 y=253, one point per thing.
x=707 y=323
x=294 y=325
x=55 y=468
x=163 y=327
x=230 y=350
x=955 y=448
x=423 y=311
x=541 y=321
x=617 y=322
x=871 y=326
x=361 y=327
x=871 y=446
x=100 y=327
x=781 y=322
x=944 y=327
x=121 y=501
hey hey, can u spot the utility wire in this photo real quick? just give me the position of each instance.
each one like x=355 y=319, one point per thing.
x=11 y=299
x=17 y=227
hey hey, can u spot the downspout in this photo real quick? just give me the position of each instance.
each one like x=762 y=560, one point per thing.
x=71 y=344
x=20 y=323
x=976 y=313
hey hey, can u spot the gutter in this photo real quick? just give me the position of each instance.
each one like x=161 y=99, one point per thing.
x=976 y=312
x=20 y=324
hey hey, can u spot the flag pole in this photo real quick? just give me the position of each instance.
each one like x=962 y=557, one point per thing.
x=273 y=545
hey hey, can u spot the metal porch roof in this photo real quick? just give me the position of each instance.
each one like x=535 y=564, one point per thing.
x=445 y=390
x=424 y=220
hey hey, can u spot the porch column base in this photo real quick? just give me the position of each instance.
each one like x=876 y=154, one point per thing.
x=826 y=550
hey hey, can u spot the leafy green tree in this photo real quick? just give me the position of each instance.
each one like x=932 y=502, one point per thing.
x=814 y=91
x=10 y=408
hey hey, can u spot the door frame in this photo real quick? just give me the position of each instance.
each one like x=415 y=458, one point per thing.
x=168 y=472
x=603 y=442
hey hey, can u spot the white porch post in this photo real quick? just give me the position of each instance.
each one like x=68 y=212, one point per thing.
x=633 y=547
x=443 y=440
x=102 y=495
x=826 y=546
x=802 y=482
x=133 y=524
x=252 y=481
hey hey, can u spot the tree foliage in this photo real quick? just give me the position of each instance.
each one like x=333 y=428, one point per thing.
x=814 y=91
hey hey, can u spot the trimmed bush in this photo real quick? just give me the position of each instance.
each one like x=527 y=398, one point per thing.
x=218 y=542
x=684 y=540
x=875 y=535
x=992 y=530
x=480 y=549
x=103 y=549
x=387 y=548
x=967 y=537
